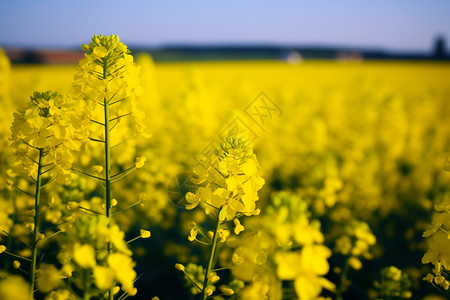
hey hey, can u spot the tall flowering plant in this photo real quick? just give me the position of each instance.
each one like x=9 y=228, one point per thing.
x=106 y=86
x=45 y=133
x=230 y=191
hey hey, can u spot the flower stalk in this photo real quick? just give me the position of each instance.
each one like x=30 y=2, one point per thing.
x=343 y=280
x=36 y=224
x=107 y=165
x=209 y=267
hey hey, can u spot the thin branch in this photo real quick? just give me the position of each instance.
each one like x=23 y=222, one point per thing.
x=19 y=189
x=32 y=159
x=192 y=280
x=93 y=71
x=93 y=211
x=124 y=175
x=48 y=182
x=23 y=271
x=210 y=205
x=204 y=235
x=128 y=207
x=86 y=212
x=220 y=269
x=26 y=143
x=133 y=239
x=124 y=296
x=51 y=235
x=112 y=127
x=84 y=173
x=17 y=239
x=18 y=256
x=123 y=171
x=128 y=138
x=118 y=69
x=46 y=171
x=112 y=97
x=96 y=140
x=119 y=117
x=31 y=177
x=202 y=242
x=219 y=172
x=120 y=100
x=97 y=122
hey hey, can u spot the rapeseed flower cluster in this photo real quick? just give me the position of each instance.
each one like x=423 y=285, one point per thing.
x=355 y=243
x=230 y=191
x=46 y=134
x=284 y=244
x=89 y=267
x=231 y=179
x=49 y=123
x=393 y=284
x=108 y=77
x=438 y=253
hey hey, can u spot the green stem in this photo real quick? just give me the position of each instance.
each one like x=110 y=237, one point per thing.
x=211 y=259
x=343 y=281
x=18 y=256
x=86 y=286
x=36 y=225
x=107 y=169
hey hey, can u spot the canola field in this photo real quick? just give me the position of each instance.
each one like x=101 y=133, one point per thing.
x=223 y=180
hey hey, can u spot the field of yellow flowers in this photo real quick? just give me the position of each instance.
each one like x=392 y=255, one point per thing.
x=223 y=180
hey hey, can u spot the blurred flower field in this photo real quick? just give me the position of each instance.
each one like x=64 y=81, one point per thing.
x=312 y=181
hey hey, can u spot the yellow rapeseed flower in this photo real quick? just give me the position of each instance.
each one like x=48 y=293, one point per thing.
x=140 y=162
x=123 y=265
x=238 y=226
x=104 y=277
x=84 y=255
x=16 y=264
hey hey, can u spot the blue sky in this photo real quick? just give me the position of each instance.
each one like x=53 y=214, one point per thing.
x=385 y=24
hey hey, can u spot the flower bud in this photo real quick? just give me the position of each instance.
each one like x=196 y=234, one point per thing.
x=179 y=267
x=145 y=234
